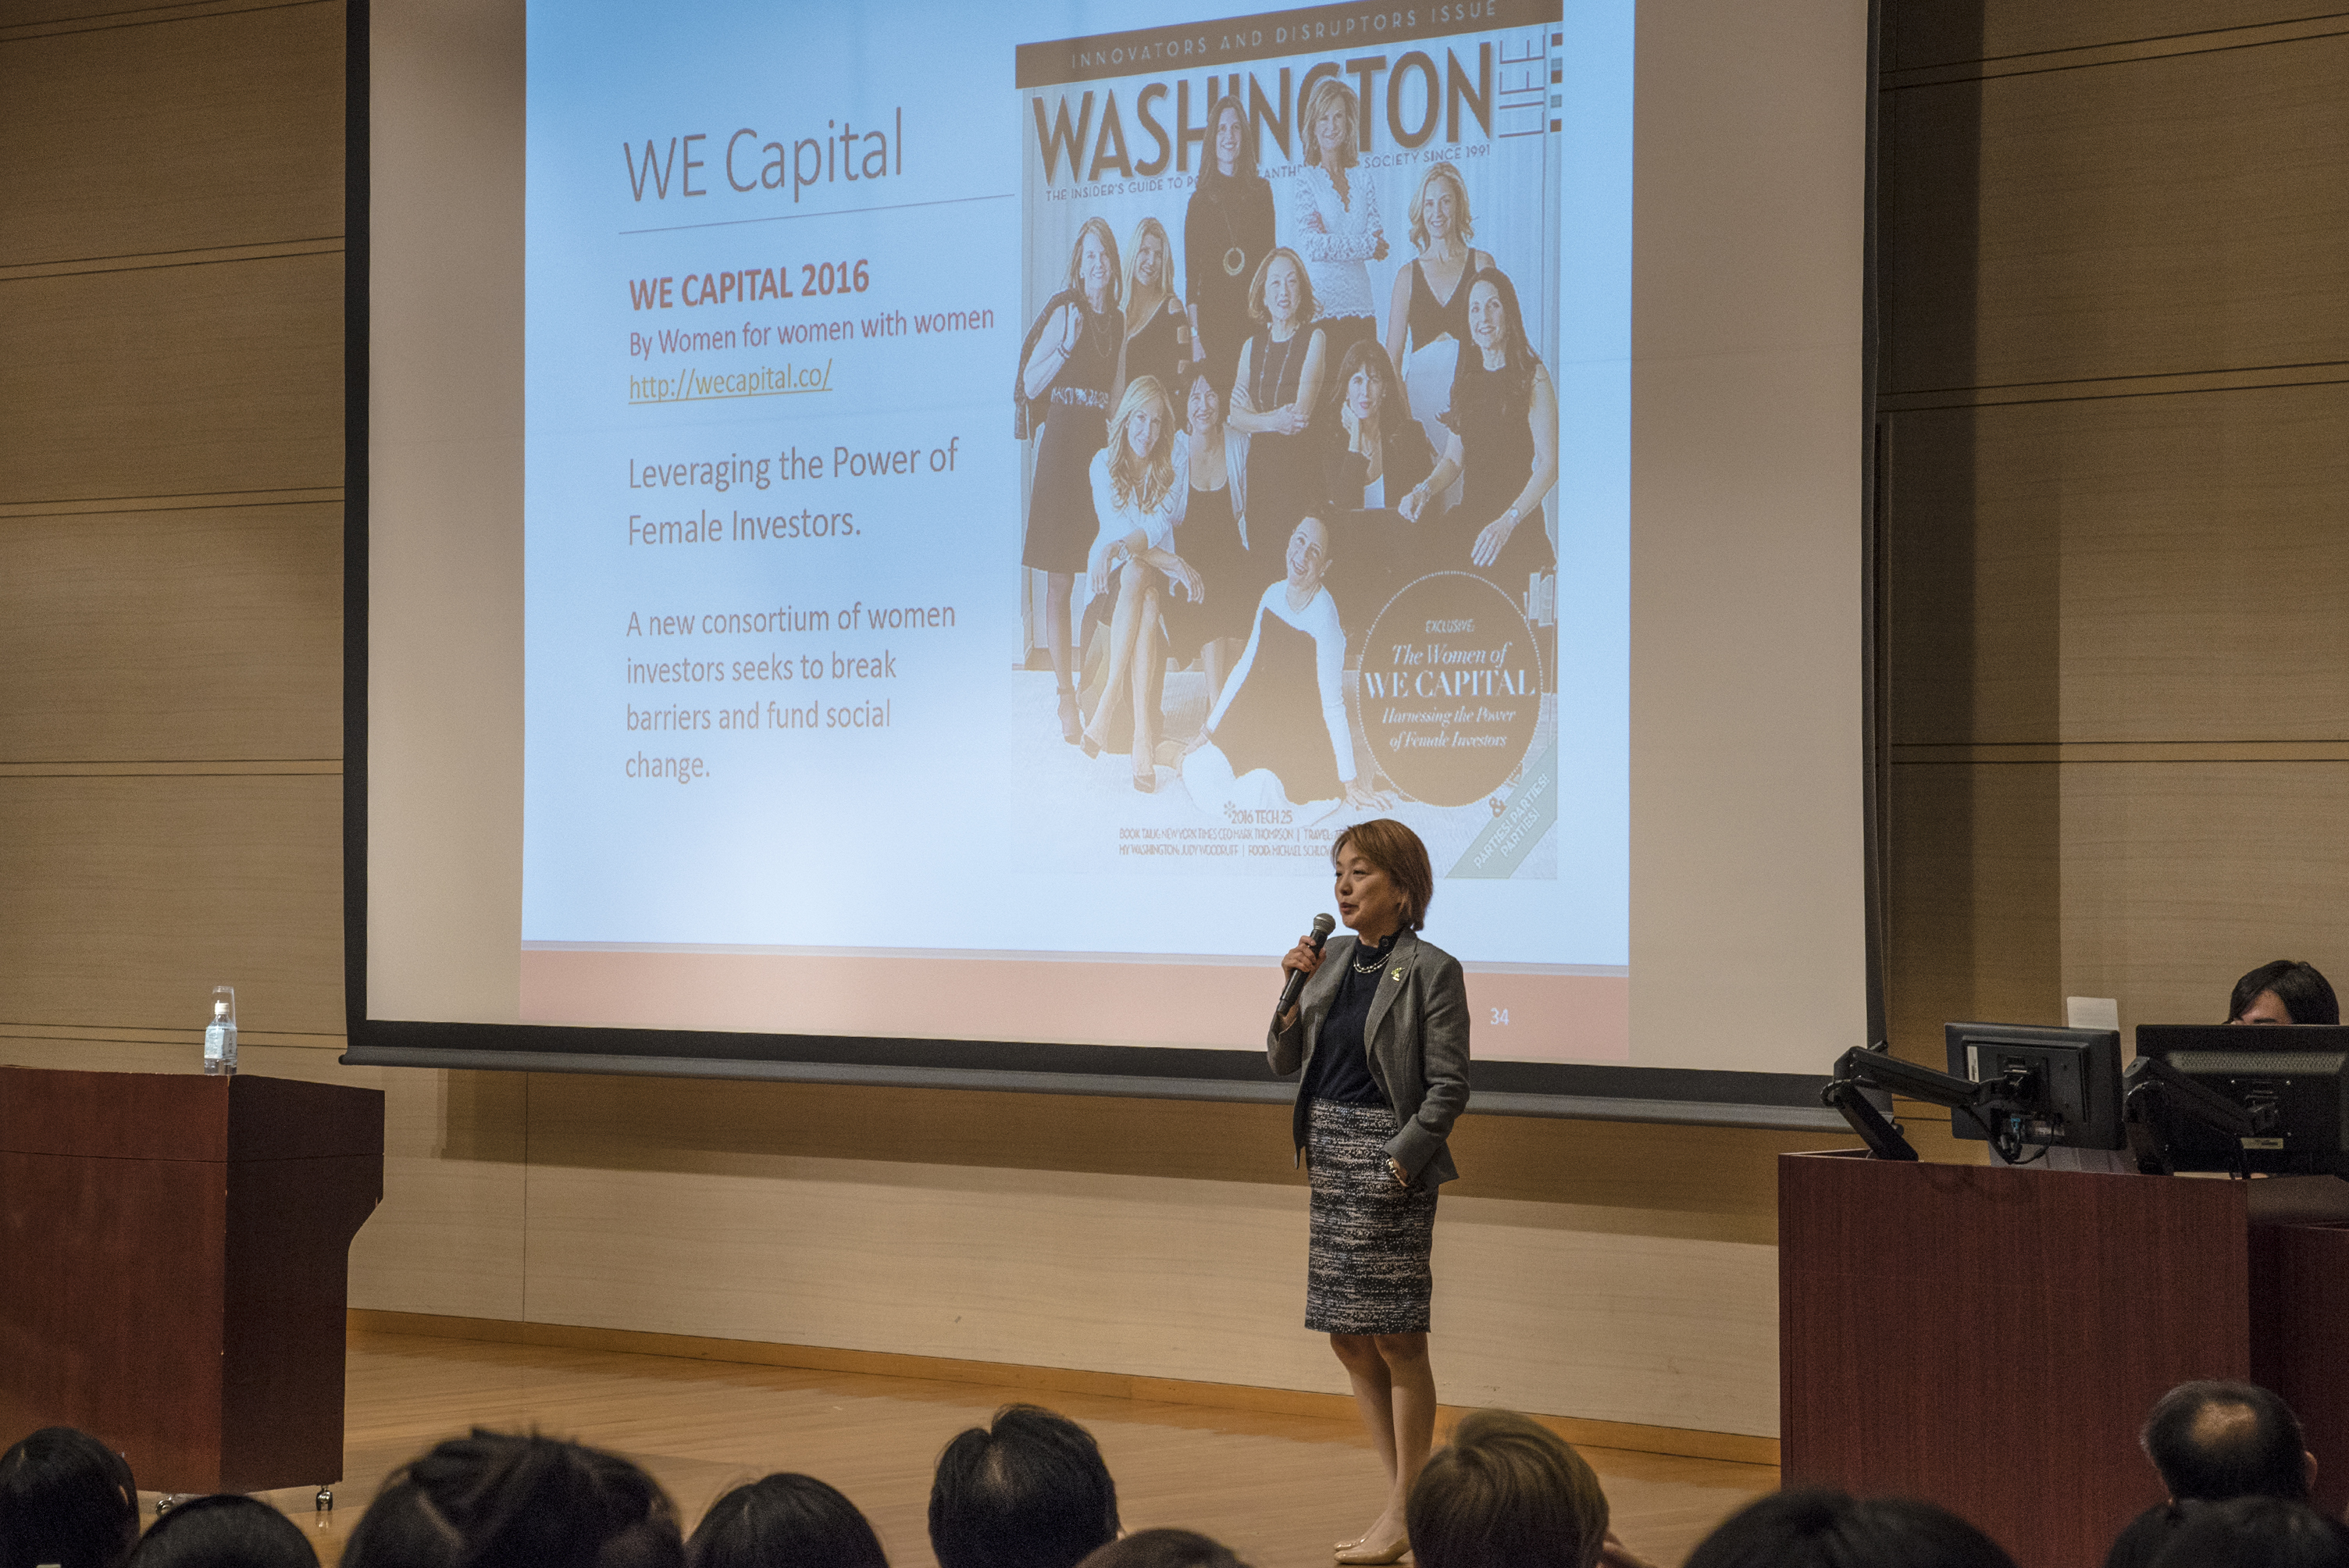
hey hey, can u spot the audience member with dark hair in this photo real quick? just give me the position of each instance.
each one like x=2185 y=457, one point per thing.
x=2284 y=991
x=1163 y=1549
x=223 y=1530
x=1817 y=1528
x=1506 y=1492
x=518 y=1502
x=2254 y=1533
x=794 y=1519
x=66 y=1498
x=2209 y=1442
x=1029 y=1492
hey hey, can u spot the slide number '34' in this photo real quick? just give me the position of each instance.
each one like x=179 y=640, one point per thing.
x=1500 y=1015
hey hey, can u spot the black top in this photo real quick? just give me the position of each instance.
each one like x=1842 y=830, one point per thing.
x=1428 y=318
x=1341 y=1069
x=2143 y=1540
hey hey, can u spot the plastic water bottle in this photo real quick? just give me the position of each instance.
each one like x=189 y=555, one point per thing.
x=220 y=1034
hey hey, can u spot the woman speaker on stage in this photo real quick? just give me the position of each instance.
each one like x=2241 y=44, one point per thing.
x=1379 y=1040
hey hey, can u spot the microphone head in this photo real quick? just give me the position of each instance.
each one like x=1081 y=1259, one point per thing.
x=1323 y=926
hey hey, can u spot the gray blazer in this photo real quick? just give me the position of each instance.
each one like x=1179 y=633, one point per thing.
x=1417 y=1039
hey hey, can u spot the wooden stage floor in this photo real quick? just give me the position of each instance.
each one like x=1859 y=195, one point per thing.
x=1277 y=1489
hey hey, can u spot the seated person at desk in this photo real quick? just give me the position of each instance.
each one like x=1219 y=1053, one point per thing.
x=2284 y=992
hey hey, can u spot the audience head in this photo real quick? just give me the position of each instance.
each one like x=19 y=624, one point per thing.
x=66 y=1498
x=1028 y=1491
x=1163 y=1549
x=2254 y=1533
x=785 y=1519
x=2285 y=991
x=1506 y=1492
x=223 y=1530
x=1817 y=1528
x=2212 y=1441
x=517 y=1502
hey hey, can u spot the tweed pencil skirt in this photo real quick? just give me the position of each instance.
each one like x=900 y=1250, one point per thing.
x=1367 y=1261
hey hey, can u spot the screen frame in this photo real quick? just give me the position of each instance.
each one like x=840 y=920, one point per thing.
x=1781 y=1101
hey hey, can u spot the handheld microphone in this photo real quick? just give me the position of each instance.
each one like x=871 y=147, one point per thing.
x=1323 y=926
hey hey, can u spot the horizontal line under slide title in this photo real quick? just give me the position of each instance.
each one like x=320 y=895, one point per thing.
x=1268 y=35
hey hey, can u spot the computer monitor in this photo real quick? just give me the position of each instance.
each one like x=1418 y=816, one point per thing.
x=2063 y=1086
x=2161 y=1039
x=2298 y=1101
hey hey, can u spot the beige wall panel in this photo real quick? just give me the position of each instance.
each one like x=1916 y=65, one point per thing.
x=185 y=380
x=1155 y=1237
x=2182 y=213
x=2123 y=569
x=130 y=898
x=1693 y=1182
x=208 y=131
x=1976 y=897
x=2204 y=575
x=1535 y=1311
x=1948 y=32
x=449 y=1237
x=1143 y=1275
x=1971 y=562
x=2179 y=876
x=28 y=1050
x=213 y=634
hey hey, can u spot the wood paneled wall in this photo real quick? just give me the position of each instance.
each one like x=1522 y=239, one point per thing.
x=2114 y=315
x=2115 y=383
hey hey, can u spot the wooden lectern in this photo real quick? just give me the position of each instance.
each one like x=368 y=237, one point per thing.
x=176 y=1253
x=1990 y=1338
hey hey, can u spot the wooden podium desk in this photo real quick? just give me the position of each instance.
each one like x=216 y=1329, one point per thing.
x=176 y=1253
x=1991 y=1338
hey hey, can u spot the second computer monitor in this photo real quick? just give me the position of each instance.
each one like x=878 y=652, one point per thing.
x=2071 y=1078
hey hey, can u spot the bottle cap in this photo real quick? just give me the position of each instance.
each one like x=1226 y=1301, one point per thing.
x=219 y=1009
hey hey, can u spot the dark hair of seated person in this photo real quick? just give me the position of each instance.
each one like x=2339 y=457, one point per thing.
x=785 y=1520
x=1030 y=1491
x=223 y=1530
x=2305 y=993
x=66 y=1498
x=1817 y=1528
x=2211 y=1441
x=1162 y=1549
x=2254 y=1533
x=1505 y=1492
x=516 y=1501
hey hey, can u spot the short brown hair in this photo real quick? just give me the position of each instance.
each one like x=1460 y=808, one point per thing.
x=1507 y=1493
x=1396 y=851
x=1307 y=307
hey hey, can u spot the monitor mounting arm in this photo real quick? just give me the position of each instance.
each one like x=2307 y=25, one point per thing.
x=2153 y=1092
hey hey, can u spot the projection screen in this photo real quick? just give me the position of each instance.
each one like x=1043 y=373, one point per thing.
x=766 y=414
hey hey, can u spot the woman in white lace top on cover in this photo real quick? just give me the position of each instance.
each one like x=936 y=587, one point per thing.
x=1337 y=211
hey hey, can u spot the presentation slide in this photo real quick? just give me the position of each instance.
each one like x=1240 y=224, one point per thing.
x=1004 y=487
